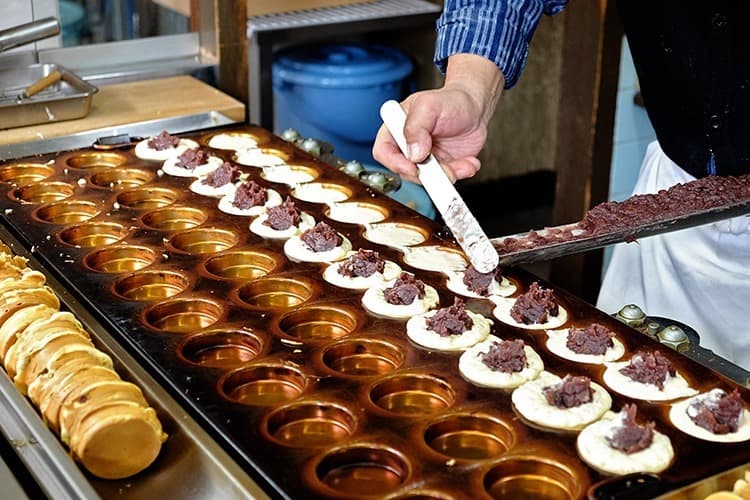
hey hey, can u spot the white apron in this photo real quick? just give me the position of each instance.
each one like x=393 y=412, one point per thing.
x=698 y=276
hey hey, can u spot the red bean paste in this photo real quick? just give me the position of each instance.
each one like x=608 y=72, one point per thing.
x=223 y=175
x=404 y=290
x=535 y=306
x=717 y=411
x=283 y=216
x=626 y=435
x=681 y=199
x=163 y=141
x=480 y=283
x=649 y=367
x=570 y=392
x=507 y=356
x=362 y=264
x=594 y=339
x=250 y=194
x=321 y=238
x=451 y=320
x=191 y=158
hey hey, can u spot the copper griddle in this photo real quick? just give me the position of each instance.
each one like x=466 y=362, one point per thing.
x=299 y=353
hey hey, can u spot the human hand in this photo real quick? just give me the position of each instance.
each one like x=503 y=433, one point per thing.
x=450 y=122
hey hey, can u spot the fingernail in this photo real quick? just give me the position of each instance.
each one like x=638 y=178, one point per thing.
x=415 y=152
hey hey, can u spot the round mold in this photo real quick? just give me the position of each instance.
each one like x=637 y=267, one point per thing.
x=424 y=494
x=93 y=234
x=43 y=192
x=282 y=154
x=276 y=292
x=118 y=179
x=320 y=322
x=147 y=197
x=241 y=265
x=309 y=424
x=223 y=348
x=174 y=218
x=396 y=234
x=291 y=174
x=183 y=315
x=411 y=394
x=150 y=285
x=436 y=258
x=361 y=357
x=67 y=212
x=203 y=241
x=263 y=384
x=357 y=212
x=361 y=470
x=117 y=259
x=242 y=139
x=525 y=476
x=322 y=192
x=20 y=174
x=91 y=159
x=468 y=436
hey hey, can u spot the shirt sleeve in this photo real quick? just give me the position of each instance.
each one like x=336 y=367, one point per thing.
x=497 y=30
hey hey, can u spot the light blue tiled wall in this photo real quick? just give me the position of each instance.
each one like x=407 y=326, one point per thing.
x=633 y=133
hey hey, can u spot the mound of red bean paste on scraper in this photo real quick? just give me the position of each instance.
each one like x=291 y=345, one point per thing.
x=570 y=392
x=249 y=194
x=362 y=264
x=594 y=339
x=223 y=175
x=649 y=368
x=681 y=199
x=191 y=158
x=283 y=216
x=163 y=141
x=534 y=306
x=321 y=238
x=480 y=283
x=404 y=290
x=717 y=411
x=451 y=320
x=627 y=436
x=507 y=356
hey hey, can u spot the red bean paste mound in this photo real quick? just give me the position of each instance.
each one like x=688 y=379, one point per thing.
x=223 y=175
x=649 y=368
x=321 y=238
x=163 y=141
x=362 y=264
x=451 y=320
x=626 y=435
x=480 y=283
x=191 y=158
x=681 y=199
x=570 y=392
x=283 y=216
x=535 y=306
x=594 y=339
x=404 y=290
x=717 y=411
x=250 y=194
x=507 y=356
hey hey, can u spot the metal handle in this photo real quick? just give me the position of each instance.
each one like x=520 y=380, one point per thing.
x=29 y=32
x=42 y=84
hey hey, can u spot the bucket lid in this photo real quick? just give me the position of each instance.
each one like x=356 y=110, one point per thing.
x=341 y=65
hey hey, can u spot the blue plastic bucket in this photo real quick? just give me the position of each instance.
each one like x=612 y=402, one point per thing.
x=333 y=92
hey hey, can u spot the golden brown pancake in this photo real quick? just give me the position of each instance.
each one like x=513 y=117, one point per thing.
x=63 y=363
x=32 y=363
x=12 y=300
x=17 y=321
x=28 y=278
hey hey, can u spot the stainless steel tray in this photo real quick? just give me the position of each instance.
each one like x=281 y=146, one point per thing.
x=67 y=99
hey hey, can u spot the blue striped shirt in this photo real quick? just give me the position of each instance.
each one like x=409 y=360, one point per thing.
x=495 y=29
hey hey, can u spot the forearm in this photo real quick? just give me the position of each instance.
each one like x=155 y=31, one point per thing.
x=479 y=77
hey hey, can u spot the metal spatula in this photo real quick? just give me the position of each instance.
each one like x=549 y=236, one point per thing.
x=448 y=202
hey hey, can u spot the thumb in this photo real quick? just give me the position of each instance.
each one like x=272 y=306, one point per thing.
x=420 y=124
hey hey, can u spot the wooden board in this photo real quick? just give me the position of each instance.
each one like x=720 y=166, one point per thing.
x=130 y=102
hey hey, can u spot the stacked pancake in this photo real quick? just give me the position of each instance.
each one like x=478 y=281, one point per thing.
x=106 y=421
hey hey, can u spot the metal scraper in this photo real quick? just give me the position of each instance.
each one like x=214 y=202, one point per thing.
x=448 y=202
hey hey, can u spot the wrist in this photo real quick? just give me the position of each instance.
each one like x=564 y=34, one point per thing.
x=479 y=78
